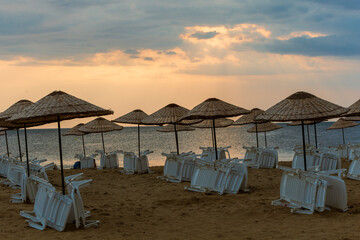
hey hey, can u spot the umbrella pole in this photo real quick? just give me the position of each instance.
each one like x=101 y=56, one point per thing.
x=343 y=136
x=316 y=143
x=265 y=140
x=82 y=136
x=216 y=155
x=307 y=126
x=7 y=144
x=18 y=136
x=304 y=149
x=176 y=138
x=27 y=152
x=102 y=137
x=139 y=138
x=61 y=158
x=257 y=137
x=212 y=137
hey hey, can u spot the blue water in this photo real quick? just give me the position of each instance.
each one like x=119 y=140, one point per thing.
x=43 y=143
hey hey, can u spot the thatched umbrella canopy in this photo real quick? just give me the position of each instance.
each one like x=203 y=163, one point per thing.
x=55 y=107
x=357 y=118
x=100 y=125
x=341 y=124
x=76 y=132
x=354 y=110
x=213 y=108
x=264 y=127
x=250 y=119
x=134 y=117
x=219 y=123
x=302 y=106
x=170 y=114
x=8 y=113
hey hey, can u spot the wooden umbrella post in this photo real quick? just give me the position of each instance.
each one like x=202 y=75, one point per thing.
x=139 y=139
x=257 y=137
x=102 y=138
x=304 y=145
x=7 y=144
x=216 y=155
x=61 y=157
x=176 y=138
x=82 y=136
x=18 y=137
x=27 y=152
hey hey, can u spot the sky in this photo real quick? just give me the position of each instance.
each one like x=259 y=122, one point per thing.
x=124 y=55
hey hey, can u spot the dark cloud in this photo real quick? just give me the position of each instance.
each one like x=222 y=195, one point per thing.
x=204 y=35
x=148 y=59
x=131 y=51
x=170 y=53
x=319 y=46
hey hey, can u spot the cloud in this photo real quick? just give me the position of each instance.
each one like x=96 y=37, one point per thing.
x=204 y=35
x=73 y=29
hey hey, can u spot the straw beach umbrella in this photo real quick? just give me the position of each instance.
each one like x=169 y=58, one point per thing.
x=219 y=123
x=354 y=109
x=100 y=125
x=250 y=119
x=302 y=106
x=134 y=117
x=14 y=109
x=76 y=132
x=214 y=108
x=55 y=107
x=341 y=124
x=264 y=127
x=170 y=114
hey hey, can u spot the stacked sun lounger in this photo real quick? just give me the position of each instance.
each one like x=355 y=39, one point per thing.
x=133 y=164
x=260 y=157
x=219 y=177
x=354 y=169
x=55 y=210
x=86 y=162
x=108 y=160
x=306 y=192
x=316 y=160
x=180 y=167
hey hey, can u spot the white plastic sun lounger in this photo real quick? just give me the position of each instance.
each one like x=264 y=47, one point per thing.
x=133 y=164
x=108 y=160
x=341 y=150
x=306 y=192
x=56 y=210
x=352 y=150
x=174 y=166
x=354 y=169
x=222 y=178
x=208 y=153
x=329 y=161
x=86 y=162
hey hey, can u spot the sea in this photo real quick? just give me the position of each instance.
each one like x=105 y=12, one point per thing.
x=44 y=144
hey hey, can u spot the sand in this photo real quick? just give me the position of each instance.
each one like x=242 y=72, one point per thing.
x=144 y=207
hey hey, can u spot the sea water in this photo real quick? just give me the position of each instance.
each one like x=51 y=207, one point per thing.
x=44 y=143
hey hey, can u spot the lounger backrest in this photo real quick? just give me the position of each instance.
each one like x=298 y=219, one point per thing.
x=268 y=158
x=336 y=195
x=329 y=161
x=58 y=210
x=302 y=189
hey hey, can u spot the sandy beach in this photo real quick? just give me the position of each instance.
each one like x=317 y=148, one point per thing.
x=144 y=207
